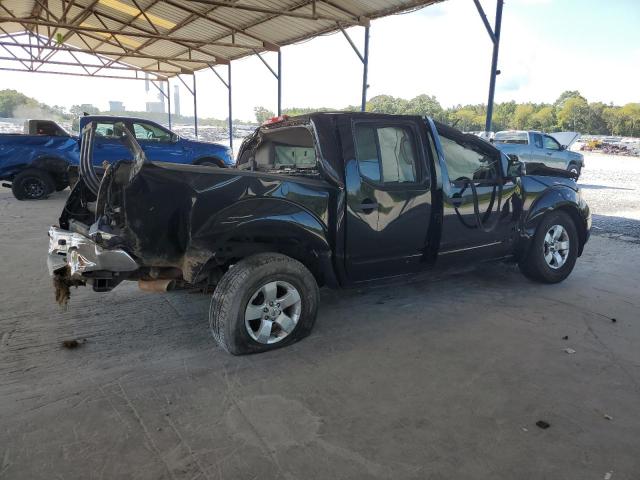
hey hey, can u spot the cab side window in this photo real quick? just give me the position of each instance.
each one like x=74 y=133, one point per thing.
x=146 y=131
x=550 y=143
x=108 y=130
x=467 y=160
x=537 y=140
x=386 y=154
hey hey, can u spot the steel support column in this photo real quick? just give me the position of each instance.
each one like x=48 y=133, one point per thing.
x=364 y=58
x=169 y=102
x=230 y=107
x=494 y=34
x=277 y=75
x=195 y=105
x=228 y=85
x=365 y=70
x=193 y=92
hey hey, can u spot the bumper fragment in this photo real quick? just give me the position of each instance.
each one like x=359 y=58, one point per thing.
x=82 y=255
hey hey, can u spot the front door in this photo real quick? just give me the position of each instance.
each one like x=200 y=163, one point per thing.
x=481 y=205
x=108 y=144
x=551 y=153
x=158 y=144
x=388 y=197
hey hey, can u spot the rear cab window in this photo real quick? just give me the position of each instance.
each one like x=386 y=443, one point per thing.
x=288 y=149
x=519 y=138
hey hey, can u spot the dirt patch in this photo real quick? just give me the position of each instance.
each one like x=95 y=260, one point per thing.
x=62 y=283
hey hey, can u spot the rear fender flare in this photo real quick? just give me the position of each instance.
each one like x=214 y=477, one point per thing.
x=262 y=225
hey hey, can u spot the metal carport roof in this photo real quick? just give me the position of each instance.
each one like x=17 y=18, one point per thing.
x=169 y=37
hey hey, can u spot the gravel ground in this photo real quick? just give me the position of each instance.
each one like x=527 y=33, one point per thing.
x=611 y=186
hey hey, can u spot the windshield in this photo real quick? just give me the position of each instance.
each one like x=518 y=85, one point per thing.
x=512 y=137
x=287 y=150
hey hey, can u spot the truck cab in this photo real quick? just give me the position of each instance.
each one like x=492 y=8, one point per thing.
x=159 y=143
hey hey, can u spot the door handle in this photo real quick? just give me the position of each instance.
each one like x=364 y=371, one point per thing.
x=549 y=153
x=367 y=206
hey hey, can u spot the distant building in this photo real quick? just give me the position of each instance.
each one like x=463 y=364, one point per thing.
x=155 y=107
x=115 y=106
x=176 y=100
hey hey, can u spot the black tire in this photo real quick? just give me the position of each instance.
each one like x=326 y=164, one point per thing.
x=237 y=287
x=534 y=266
x=32 y=184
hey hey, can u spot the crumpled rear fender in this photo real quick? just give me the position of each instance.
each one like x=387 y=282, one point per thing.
x=261 y=224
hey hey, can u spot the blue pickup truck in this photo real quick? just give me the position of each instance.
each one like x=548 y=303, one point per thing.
x=36 y=163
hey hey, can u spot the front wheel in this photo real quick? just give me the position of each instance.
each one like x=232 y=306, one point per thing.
x=553 y=250
x=32 y=184
x=263 y=302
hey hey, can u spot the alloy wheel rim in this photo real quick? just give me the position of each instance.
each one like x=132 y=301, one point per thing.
x=556 y=247
x=33 y=188
x=273 y=312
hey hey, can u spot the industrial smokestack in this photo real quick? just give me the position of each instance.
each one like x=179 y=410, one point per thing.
x=176 y=99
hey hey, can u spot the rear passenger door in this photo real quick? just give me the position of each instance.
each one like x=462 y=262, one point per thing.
x=388 y=198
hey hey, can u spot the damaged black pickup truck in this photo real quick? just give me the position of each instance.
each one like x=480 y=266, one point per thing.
x=331 y=199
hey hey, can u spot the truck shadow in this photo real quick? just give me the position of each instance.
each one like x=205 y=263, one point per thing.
x=601 y=187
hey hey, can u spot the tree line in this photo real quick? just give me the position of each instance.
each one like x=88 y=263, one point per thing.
x=571 y=111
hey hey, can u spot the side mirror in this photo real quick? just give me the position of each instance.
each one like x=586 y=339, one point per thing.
x=516 y=168
x=175 y=138
x=563 y=147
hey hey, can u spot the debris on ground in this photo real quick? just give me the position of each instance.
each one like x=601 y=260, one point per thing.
x=613 y=320
x=542 y=424
x=608 y=417
x=566 y=337
x=62 y=283
x=608 y=475
x=569 y=350
x=71 y=344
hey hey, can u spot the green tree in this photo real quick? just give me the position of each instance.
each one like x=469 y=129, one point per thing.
x=630 y=119
x=574 y=114
x=522 y=116
x=503 y=115
x=262 y=114
x=424 y=105
x=10 y=99
x=566 y=95
x=544 y=119
x=80 y=110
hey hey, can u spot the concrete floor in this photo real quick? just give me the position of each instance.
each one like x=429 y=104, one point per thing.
x=438 y=378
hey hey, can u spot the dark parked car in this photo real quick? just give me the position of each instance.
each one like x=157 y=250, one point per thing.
x=331 y=199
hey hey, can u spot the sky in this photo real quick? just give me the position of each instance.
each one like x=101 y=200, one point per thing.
x=547 y=46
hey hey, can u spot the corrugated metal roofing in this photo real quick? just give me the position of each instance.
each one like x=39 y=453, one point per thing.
x=169 y=37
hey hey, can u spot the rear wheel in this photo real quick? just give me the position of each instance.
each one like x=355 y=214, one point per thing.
x=32 y=184
x=263 y=302
x=553 y=251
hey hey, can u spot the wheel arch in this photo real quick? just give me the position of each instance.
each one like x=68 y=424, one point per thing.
x=210 y=158
x=284 y=227
x=556 y=199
